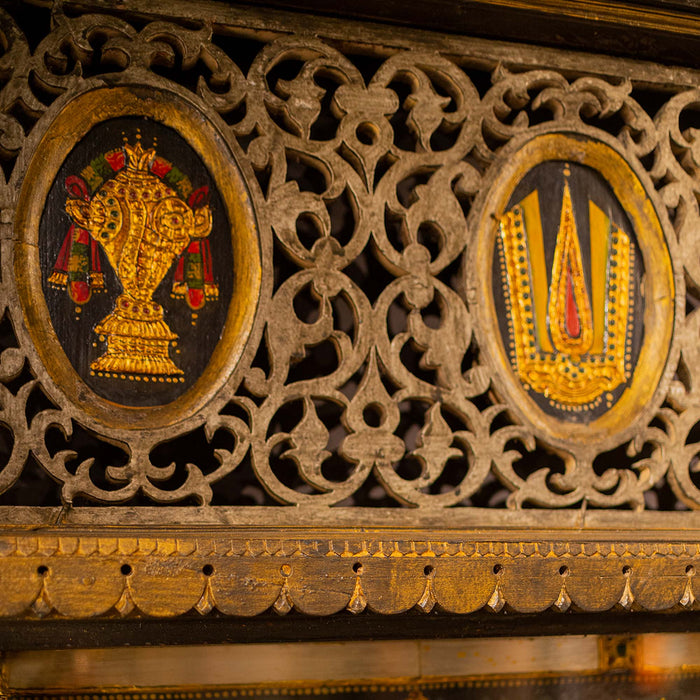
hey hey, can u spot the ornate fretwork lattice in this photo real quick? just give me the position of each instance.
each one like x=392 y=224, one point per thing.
x=363 y=382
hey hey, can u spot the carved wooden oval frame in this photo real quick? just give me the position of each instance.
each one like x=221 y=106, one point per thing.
x=76 y=118
x=663 y=286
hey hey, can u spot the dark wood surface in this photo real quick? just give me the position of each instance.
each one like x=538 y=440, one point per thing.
x=272 y=628
x=631 y=29
x=666 y=31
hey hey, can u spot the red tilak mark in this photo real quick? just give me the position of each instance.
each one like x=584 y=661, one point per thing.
x=79 y=291
x=573 y=324
x=195 y=298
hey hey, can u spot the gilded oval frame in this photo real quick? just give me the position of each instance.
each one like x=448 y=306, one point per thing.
x=663 y=286
x=76 y=118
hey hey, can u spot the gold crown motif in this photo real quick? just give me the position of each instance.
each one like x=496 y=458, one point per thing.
x=138 y=158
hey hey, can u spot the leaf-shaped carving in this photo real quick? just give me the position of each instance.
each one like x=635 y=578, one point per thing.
x=309 y=439
x=303 y=103
x=434 y=444
x=373 y=445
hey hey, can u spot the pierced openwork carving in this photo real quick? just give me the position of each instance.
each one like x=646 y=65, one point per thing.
x=374 y=347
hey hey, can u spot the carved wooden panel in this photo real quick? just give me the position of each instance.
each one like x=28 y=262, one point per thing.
x=253 y=276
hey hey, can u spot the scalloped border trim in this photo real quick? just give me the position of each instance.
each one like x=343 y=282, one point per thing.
x=82 y=576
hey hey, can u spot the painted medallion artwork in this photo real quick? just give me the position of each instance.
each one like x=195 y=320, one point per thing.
x=567 y=286
x=136 y=255
x=574 y=250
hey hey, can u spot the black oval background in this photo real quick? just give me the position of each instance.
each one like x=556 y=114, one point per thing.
x=77 y=337
x=585 y=183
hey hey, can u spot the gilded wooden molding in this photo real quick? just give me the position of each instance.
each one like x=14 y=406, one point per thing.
x=78 y=576
x=356 y=427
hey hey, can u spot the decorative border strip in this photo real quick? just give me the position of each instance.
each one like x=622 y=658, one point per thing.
x=82 y=576
x=350 y=668
x=362 y=32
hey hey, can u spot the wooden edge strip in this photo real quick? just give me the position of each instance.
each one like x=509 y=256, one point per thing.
x=151 y=575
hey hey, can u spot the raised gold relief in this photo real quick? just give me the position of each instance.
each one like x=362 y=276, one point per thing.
x=570 y=320
x=146 y=205
x=143 y=225
x=576 y=251
x=572 y=356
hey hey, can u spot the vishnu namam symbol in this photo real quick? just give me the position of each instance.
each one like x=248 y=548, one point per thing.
x=567 y=345
x=144 y=215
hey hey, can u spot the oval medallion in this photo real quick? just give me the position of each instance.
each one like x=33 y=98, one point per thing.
x=142 y=255
x=574 y=250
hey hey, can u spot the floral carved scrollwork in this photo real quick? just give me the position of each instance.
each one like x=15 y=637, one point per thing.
x=365 y=379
